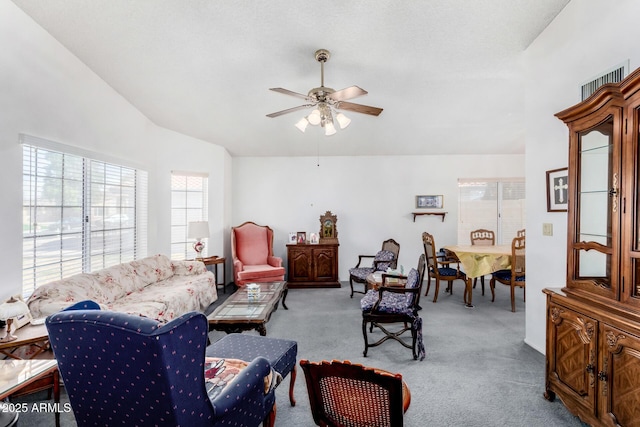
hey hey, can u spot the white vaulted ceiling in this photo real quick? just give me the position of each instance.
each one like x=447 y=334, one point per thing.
x=448 y=73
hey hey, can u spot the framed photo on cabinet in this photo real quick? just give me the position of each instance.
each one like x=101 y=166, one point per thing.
x=557 y=190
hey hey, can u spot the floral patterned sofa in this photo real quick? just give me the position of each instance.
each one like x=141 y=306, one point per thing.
x=154 y=287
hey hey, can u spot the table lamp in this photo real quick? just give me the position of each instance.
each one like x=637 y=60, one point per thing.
x=8 y=311
x=198 y=230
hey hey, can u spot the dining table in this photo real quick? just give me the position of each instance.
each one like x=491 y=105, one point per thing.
x=480 y=260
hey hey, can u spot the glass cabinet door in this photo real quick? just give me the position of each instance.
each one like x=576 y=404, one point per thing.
x=597 y=210
x=632 y=295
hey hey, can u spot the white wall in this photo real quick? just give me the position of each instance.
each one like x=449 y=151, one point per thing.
x=373 y=198
x=49 y=93
x=588 y=37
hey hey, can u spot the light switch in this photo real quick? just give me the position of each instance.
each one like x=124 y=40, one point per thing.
x=547 y=229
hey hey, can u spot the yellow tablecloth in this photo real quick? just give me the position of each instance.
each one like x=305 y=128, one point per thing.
x=478 y=260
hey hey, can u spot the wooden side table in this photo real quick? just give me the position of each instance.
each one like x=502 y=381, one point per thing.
x=22 y=377
x=28 y=335
x=216 y=261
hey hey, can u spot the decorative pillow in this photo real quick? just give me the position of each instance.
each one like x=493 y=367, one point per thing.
x=218 y=372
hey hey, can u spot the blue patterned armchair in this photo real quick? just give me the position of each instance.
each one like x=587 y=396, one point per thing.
x=385 y=258
x=121 y=369
x=393 y=304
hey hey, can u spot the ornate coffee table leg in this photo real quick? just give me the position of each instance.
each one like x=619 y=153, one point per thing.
x=284 y=298
x=262 y=329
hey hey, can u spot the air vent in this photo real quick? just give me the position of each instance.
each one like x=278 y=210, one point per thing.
x=613 y=76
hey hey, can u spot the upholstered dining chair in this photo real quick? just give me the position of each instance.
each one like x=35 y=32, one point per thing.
x=123 y=369
x=394 y=305
x=439 y=267
x=482 y=237
x=252 y=253
x=386 y=258
x=342 y=394
x=515 y=276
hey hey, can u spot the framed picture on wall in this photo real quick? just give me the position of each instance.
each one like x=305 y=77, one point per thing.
x=429 y=202
x=557 y=190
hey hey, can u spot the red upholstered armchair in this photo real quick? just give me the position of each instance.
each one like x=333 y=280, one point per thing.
x=252 y=251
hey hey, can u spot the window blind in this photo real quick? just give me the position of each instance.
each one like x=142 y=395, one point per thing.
x=492 y=204
x=79 y=215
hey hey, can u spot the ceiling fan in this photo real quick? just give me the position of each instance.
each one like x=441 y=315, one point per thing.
x=324 y=100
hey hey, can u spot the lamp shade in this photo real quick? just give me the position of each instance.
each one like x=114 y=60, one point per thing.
x=343 y=120
x=302 y=124
x=198 y=230
x=314 y=118
x=329 y=129
x=13 y=308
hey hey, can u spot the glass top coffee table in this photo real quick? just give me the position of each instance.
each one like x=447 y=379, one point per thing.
x=238 y=313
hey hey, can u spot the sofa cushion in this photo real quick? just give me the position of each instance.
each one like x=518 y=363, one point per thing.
x=153 y=269
x=118 y=281
x=171 y=298
x=260 y=272
x=252 y=244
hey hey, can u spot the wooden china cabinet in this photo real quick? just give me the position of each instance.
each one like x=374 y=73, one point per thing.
x=593 y=323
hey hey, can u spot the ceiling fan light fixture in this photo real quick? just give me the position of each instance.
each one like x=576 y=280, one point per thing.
x=314 y=118
x=325 y=102
x=329 y=129
x=302 y=124
x=343 y=120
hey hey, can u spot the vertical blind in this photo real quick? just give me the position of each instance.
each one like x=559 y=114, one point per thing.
x=79 y=215
x=492 y=204
x=189 y=202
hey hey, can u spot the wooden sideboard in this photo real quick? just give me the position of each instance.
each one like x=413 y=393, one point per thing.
x=313 y=265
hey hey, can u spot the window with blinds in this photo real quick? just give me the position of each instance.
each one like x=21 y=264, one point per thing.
x=492 y=204
x=79 y=215
x=189 y=202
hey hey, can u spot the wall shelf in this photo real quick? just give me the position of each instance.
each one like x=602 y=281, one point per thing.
x=415 y=214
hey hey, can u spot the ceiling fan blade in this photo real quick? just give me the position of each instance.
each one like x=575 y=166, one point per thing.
x=359 y=108
x=290 y=92
x=347 y=93
x=290 y=110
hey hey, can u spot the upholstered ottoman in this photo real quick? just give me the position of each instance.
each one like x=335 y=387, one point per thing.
x=280 y=353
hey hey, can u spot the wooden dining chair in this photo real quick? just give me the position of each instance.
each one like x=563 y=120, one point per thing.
x=515 y=276
x=439 y=267
x=482 y=237
x=521 y=233
x=342 y=393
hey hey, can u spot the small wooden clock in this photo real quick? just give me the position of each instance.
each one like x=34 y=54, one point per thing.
x=328 y=229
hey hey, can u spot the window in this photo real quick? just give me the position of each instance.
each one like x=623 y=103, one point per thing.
x=493 y=204
x=79 y=214
x=189 y=202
